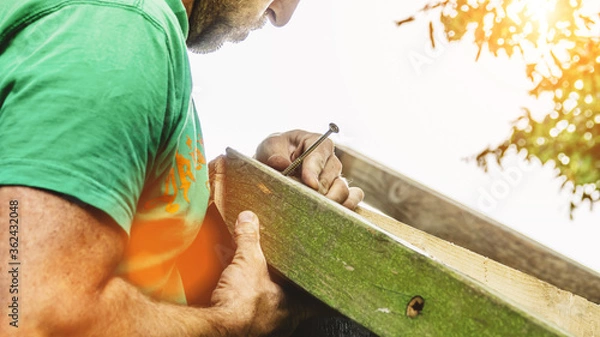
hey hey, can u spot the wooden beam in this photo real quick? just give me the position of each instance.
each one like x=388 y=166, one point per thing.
x=378 y=277
x=569 y=312
x=419 y=206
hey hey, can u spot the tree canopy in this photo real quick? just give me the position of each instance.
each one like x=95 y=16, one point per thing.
x=559 y=40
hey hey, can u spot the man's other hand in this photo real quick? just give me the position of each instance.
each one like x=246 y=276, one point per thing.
x=321 y=170
x=253 y=305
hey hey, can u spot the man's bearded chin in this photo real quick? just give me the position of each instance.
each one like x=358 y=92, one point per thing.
x=207 y=38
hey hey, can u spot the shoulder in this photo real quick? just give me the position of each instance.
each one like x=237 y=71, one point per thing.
x=87 y=84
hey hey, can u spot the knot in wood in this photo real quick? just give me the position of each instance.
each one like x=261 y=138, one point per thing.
x=415 y=306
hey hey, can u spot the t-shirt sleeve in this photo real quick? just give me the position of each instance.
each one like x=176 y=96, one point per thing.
x=83 y=105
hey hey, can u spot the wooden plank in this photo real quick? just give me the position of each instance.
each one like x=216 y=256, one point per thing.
x=371 y=275
x=571 y=313
x=417 y=205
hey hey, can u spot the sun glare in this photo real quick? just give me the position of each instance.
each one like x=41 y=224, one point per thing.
x=533 y=16
x=533 y=12
x=539 y=10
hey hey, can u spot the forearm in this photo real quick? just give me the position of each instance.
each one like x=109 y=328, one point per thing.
x=120 y=309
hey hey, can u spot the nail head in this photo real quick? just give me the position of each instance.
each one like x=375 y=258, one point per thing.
x=334 y=128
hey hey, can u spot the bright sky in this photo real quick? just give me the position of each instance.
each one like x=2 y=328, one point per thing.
x=415 y=110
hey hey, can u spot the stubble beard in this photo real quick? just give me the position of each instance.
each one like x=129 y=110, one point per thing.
x=214 y=22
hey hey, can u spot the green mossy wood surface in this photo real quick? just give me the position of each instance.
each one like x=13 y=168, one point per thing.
x=362 y=271
x=418 y=206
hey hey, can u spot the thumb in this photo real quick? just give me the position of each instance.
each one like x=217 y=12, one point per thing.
x=247 y=233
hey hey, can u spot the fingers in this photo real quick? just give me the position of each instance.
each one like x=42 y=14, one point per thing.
x=325 y=174
x=247 y=237
x=348 y=197
x=275 y=151
x=321 y=167
x=356 y=195
x=338 y=190
x=330 y=183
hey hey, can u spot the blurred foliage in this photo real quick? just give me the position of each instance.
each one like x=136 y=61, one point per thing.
x=559 y=40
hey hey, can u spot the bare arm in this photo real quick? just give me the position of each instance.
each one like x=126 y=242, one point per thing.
x=67 y=288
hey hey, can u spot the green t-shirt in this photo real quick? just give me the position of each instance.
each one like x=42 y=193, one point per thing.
x=95 y=103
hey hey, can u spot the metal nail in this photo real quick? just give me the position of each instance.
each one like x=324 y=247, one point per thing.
x=332 y=129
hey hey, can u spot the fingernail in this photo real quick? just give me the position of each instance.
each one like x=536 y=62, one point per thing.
x=246 y=216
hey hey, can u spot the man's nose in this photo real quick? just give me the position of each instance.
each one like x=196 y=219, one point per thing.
x=281 y=11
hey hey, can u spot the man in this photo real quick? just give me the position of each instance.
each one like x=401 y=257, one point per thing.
x=103 y=180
